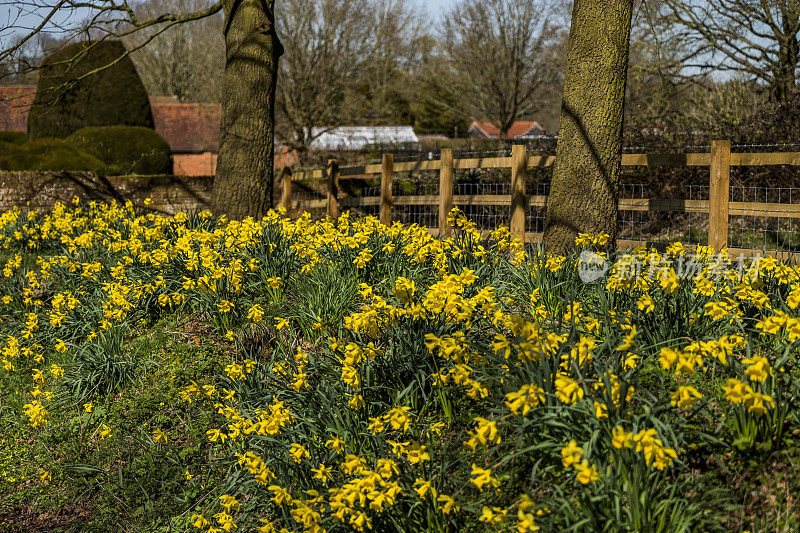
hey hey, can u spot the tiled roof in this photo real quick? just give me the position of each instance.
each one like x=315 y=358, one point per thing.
x=188 y=127
x=164 y=100
x=15 y=102
x=518 y=128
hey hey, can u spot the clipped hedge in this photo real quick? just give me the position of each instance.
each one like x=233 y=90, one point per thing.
x=13 y=137
x=71 y=95
x=125 y=149
x=47 y=154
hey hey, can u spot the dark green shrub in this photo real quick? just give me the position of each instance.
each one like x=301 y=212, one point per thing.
x=12 y=137
x=125 y=149
x=68 y=98
x=47 y=154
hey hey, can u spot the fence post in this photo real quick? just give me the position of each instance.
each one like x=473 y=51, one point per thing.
x=286 y=195
x=719 y=194
x=333 y=188
x=445 y=191
x=387 y=168
x=519 y=200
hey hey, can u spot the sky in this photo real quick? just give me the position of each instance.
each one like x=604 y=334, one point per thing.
x=435 y=7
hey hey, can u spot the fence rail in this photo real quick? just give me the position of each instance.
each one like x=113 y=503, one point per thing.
x=534 y=161
x=719 y=208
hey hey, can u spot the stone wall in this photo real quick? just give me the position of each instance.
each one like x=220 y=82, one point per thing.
x=41 y=190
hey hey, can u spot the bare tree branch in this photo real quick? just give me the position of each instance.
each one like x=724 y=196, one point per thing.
x=499 y=54
x=758 y=38
x=73 y=20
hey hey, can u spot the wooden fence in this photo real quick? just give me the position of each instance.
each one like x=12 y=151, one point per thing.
x=719 y=207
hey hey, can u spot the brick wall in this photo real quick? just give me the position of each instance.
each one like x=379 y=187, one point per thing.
x=41 y=190
x=202 y=164
x=205 y=163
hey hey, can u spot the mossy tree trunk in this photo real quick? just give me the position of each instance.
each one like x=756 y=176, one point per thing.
x=585 y=187
x=243 y=183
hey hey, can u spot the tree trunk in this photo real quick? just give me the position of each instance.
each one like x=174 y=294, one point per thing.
x=245 y=165
x=789 y=52
x=585 y=188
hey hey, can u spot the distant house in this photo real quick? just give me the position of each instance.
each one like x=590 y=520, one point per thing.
x=519 y=129
x=359 y=137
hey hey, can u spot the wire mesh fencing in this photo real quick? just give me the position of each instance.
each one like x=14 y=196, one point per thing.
x=696 y=222
x=652 y=220
x=485 y=204
x=764 y=218
x=416 y=201
x=370 y=206
x=488 y=205
x=311 y=201
x=671 y=206
x=536 y=212
x=633 y=216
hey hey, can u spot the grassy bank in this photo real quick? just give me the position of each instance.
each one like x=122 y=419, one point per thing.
x=195 y=374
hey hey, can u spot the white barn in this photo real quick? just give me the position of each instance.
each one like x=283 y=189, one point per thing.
x=358 y=137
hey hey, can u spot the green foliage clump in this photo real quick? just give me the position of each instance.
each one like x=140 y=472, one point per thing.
x=111 y=150
x=125 y=149
x=47 y=155
x=12 y=137
x=88 y=84
x=100 y=368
